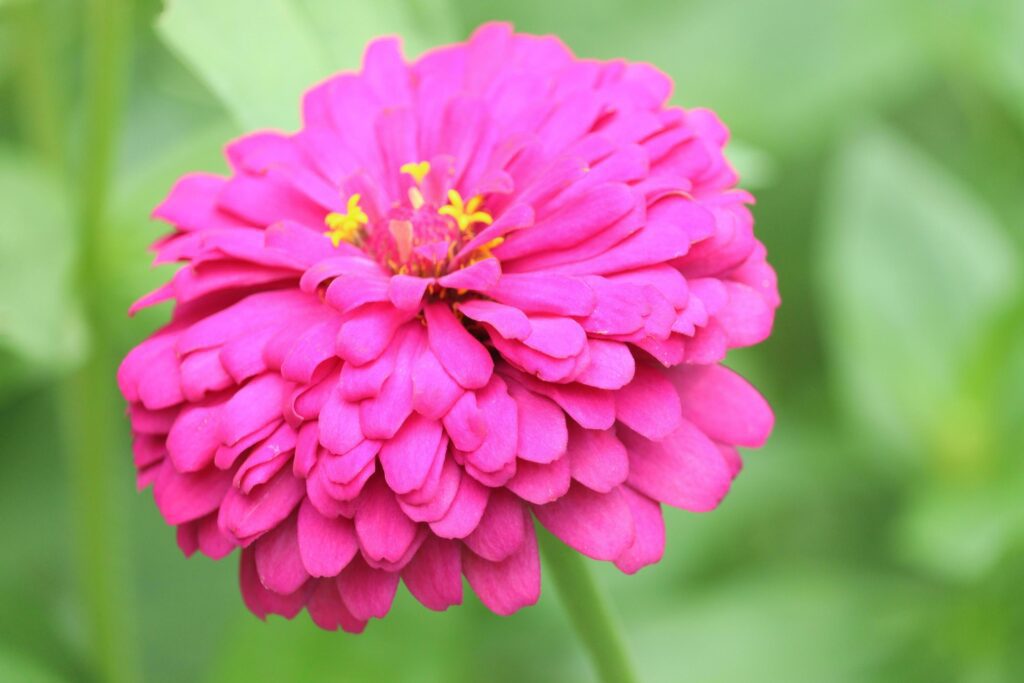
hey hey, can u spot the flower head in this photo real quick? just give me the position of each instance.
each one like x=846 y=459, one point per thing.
x=489 y=286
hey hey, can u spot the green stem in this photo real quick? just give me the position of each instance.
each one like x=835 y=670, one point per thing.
x=92 y=408
x=588 y=611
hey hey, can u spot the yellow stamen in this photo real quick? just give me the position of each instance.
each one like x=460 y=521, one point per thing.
x=485 y=250
x=416 y=198
x=465 y=213
x=345 y=227
x=418 y=171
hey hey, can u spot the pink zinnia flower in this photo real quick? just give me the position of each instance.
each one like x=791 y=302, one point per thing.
x=491 y=285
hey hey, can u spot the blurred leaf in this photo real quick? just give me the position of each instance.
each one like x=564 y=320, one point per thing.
x=40 y=321
x=962 y=535
x=794 y=624
x=911 y=271
x=344 y=28
x=260 y=62
x=15 y=667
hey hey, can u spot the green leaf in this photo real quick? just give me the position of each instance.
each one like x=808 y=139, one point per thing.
x=260 y=62
x=795 y=624
x=912 y=271
x=15 y=667
x=344 y=28
x=40 y=322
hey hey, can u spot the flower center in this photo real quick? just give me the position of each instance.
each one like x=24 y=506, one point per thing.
x=417 y=237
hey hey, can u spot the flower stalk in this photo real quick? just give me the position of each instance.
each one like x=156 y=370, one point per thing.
x=91 y=407
x=588 y=610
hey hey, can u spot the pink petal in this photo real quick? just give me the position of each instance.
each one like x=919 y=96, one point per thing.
x=369 y=331
x=541 y=483
x=465 y=423
x=194 y=437
x=339 y=425
x=542 y=434
x=509 y=322
x=185 y=497
x=277 y=559
x=649 y=405
x=465 y=512
x=259 y=599
x=406 y=291
x=556 y=337
x=479 y=276
x=326 y=545
x=253 y=406
x=723 y=405
x=327 y=610
x=367 y=592
x=498 y=448
x=408 y=456
x=245 y=516
x=459 y=352
x=501 y=530
x=597 y=459
x=685 y=470
x=434 y=391
x=384 y=532
x=599 y=525
x=544 y=293
x=434 y=575
x=611 y=365
x=506 y=586
x=649 y=544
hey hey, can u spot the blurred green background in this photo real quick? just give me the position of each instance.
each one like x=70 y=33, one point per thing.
x=878 y=537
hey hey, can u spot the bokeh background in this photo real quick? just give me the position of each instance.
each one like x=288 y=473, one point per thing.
x=878 y=537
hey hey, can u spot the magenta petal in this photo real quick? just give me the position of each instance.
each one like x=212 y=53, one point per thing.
x=542 y=434
x=406 y=292
x=252 y=407
x=541 y=483
x=685 y=470
x=465 y=512
x=367 y=592
x=384 y=532
x=408 y=456
x=460 y=353
x=501 y=529
x=259 y=599
x=434 y=575
x=185 y=497
x=611 y=365
x=245 y=516
x=544 y=293
x=278 y=561
x=478 y=277
x=510 y=322
x=326 y=544
x=327 y=610
x=649 y=405
x=434 y=391
x=465 y=423
x=507 y=586
x=597 y=459
x=339 y=424
x=369 y=331
x=599 y=525
x=649 y=544
x=194 y=437
x=723 y=405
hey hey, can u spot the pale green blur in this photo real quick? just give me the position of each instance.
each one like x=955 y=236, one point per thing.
x=878 y=537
